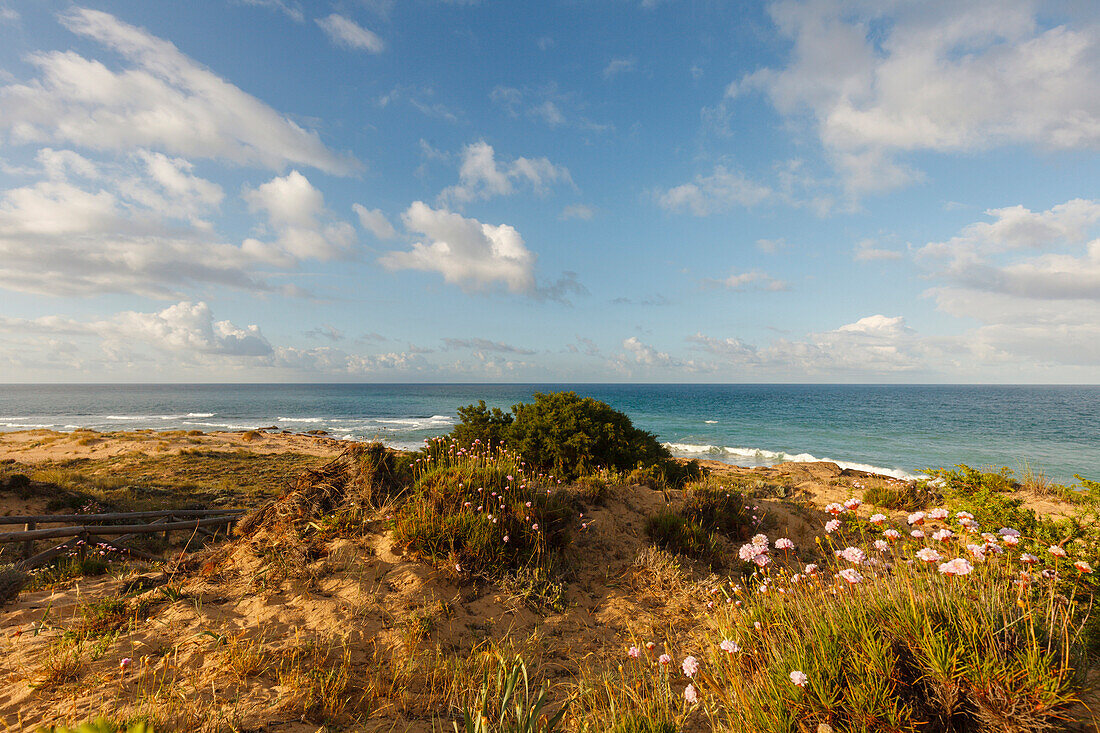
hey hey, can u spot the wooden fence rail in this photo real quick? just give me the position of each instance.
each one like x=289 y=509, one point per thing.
x=89 y=535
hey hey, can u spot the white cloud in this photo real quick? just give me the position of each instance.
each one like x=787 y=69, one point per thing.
x=375 y=222
x=867 y=250
x=481 y=176
x=751 y=280
x=468 y=253
x=877 y=80
x=645 y=354
x=619 y=65
x=577 y=211
x=290 y=9
x=188 y=327
x=163 y=101
x=295 y=210
x=720 y=191
x=771 y=246
x=349 y=34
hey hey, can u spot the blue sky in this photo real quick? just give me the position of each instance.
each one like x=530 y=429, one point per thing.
x=613 y=190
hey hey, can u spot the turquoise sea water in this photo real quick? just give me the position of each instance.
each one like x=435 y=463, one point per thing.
x=903 y=429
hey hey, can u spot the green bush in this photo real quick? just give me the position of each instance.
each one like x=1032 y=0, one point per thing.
x=674 y=532
x=101 y=725
x=719 y=510
x=568 y=436
x=908 y=498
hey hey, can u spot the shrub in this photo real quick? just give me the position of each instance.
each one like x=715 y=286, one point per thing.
x=508 y=704
x=566 y=435
x=101 y=725
x=907 y=497
x=718 y=510
x=592 y=489
x=674 y=532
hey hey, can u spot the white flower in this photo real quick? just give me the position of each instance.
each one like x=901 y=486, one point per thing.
x=878 y=518
x=799 y=678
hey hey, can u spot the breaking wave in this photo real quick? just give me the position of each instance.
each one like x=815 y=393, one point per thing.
x=764 y=457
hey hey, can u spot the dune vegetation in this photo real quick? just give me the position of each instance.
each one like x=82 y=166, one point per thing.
x=517 y=577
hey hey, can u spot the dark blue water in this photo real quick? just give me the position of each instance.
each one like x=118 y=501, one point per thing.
x=905 y=429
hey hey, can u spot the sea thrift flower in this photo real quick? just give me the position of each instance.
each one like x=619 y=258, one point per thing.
x=937 y=513
x=810 y=569
x=832 y=525
x=784 y=544
x=535 y=527
x=958 y=566
x=1028 y=559
x=852 y=504
x=729 y=646
x=1011 y=540
x=834 y=509
x=851 y=575
x=881 y=545
x=853 y=555
x=690 y=696
x=1056 y=550
x=917 y=518
x=1049 y=574
x=634 y=652
x=891 y=534
x=760 y=540
x=929 y=555
x=690 y=666
x=917 y=534
x=942 y=535
x=664 y=659
x=505 y=538
x=756 y=625
x=1083 y=566
x=799 y=678
x=125 y=664
x=963 y=516
x=878 y=518
x=978 y=551
x=1008 y=532
x=649 y=645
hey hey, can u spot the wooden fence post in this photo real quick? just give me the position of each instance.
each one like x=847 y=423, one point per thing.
x=28 y=546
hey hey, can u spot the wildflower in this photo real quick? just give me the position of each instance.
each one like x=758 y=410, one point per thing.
x=964 y=516
x=958 y=566
x=458 y=568
x=992 y=549
x=929 y=555
x=799 y=678
x=851 y=575
x=810 y=569
x=784 y=544
x=1049 y=574
x=834 y=509
x=664 y=659
x=1011 y=540
x=634 y=652
x=832 y=525
x=1083 y=566
x=853 y=555
x=125 y=664
x=505 y=538
x=1056 y=550
x=750 y=551
x=690 y=696
x=535 y=527
x=937 y=513
x=891 y=534
x=917 y=534
x=729 y=646
x=978 y=551
x=1008 y=532
x=649 y=645
x=878 y=518
x=509 y=477
x=852 y=504
x=690 y=666
x=943 y=535
x=762 y=560
x=881 y=545
x=1028 y=559
x=757 y=625
x=917 y=518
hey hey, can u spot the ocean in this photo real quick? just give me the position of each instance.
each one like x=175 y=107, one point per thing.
x=900 y=430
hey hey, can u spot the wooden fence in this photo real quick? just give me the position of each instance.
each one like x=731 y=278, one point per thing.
x=109 y=531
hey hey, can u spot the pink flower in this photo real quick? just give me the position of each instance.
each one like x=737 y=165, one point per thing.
x=958 y=566
x=834 y=509
x=810 y=569
x=978 y=551
x=881 y=545
x=852 y=504
x=917 y=534
x=750 y=550
x=878 y=518
x=799 y=678
x=690 y=666
x=1028 y=559
x=664 y=659
x=851 y=575
x=528 y=505
x=784 y=544
x=963 y=516
x=634 y=652
x=690 y=696
x=929 y=555
x=891 y=534
x=505 y=538
x=762 y=560
x=937 y=513
x=1056 y=550
x=535 y=527
x=729 y=646
x=853 y=555
x=832 y=525
x=942 y=535
x=1083 y=566
x=1011 y=540
x=1049 y=573
x=917 y=518
x=1008 y=532
x=125 y=664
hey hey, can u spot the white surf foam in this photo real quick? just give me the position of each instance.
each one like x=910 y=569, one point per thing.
x=762 y=456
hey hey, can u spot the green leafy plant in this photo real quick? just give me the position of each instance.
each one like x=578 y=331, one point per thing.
x=509 y=705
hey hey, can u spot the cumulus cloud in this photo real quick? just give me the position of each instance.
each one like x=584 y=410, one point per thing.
x=481 y=176
x=721 y=191
x=140 y=226
x=643 y=353
x=162 y=100
x=468 y=253
x=349 y=34
x=878 y=80
x=374 y=221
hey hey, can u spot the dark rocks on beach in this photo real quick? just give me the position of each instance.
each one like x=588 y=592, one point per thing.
x=316 y=432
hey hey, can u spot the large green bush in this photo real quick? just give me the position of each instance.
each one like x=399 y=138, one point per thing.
x=569 y=436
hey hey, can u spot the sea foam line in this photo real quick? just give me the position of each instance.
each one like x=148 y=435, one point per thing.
x=763 y=455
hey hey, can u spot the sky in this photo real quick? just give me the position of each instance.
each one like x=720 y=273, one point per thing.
x=563 y=191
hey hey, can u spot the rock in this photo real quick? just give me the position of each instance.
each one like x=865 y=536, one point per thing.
x=824 y=728
x=11 y=582
x=316 y=432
